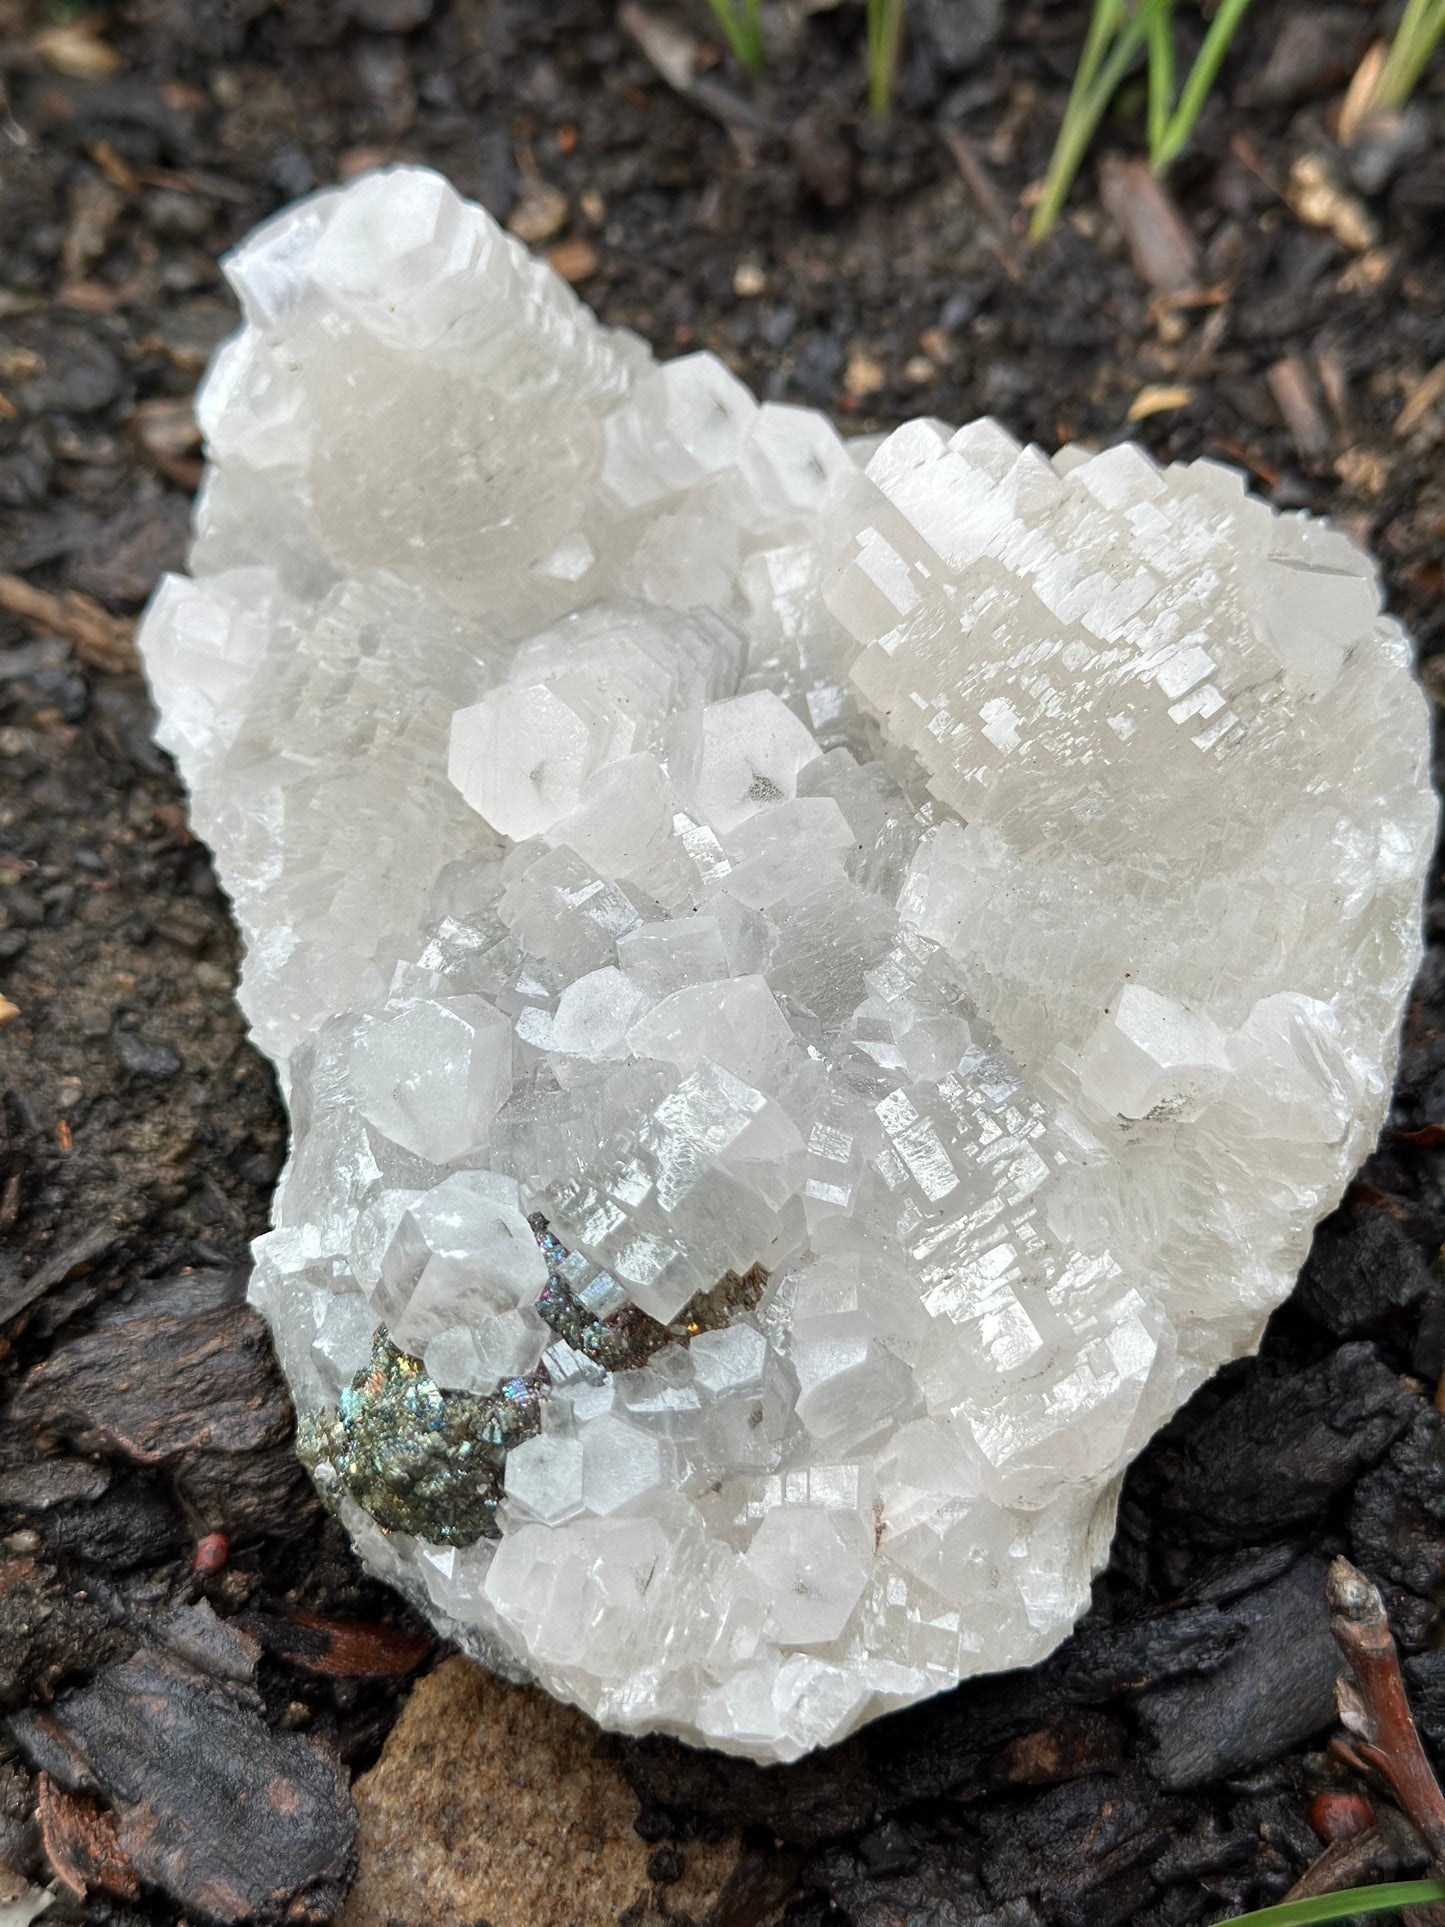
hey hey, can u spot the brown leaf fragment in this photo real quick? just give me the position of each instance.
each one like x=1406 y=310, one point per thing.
x=1422 y=398
x=101 y=640
x=165 y=431
x=78 y=1835
x=1161 y=247
x=343 y=1648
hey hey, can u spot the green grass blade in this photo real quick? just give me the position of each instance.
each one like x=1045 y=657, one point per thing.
x=1161 y=76
x=1104 y=23
x=1202 y=75
x=739 y=21
x=1385 y=1899
x=1419 y=33
x=885 y=34
x=1086 y=109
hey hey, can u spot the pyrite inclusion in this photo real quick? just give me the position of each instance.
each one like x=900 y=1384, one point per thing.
x=821 y=991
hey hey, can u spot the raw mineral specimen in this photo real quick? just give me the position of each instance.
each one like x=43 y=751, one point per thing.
x=821 y=989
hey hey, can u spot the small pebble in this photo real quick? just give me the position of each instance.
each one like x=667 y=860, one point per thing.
x=540 y=212
x=23 y=1541
x=574 y=260
x=213 y=1549
x=144 y=1059
x=1338 y=1815
x=864 y=374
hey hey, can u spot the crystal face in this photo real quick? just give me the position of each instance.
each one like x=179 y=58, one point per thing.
x=821 y=990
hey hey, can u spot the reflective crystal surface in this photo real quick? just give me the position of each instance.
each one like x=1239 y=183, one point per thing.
x=820 y=994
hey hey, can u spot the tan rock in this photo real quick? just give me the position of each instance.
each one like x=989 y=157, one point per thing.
x=494 y=1803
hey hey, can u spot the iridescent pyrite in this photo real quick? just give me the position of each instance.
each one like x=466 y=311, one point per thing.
x=431 y=1462
x=419 y=1459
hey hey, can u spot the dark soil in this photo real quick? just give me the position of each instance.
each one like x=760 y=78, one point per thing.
x=1161 y=1767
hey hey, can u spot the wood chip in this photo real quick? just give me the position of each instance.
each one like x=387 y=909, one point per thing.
x=1421 y=400
x=76 y=51
x=1320 y=201
x=1365 y=470
x=157 y=1388
x=1289 y=384
x=165 y=431
x=233 y=1821
x=1160 y=245
x=196 y=180
x=74 y=1258
x=8 y=1011
x=1158 y=399
x=101 y=640
x=89 y=297
x=1335 y=383
x=1367 y=272
x=116 y=170
x=674 y=52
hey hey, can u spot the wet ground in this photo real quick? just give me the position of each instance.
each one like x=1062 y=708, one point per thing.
x=169 y=1591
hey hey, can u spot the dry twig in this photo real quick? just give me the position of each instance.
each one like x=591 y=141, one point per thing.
x=1374 y=1708
x=1378 y=1853
x=1383 y=1739
x=101 y=640
x=980 y=184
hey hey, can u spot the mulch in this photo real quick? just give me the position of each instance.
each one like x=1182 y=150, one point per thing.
x=192 y=1663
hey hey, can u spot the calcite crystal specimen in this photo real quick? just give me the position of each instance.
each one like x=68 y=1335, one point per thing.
x=821 y=989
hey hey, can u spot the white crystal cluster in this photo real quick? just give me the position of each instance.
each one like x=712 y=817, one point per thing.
x=976 y=889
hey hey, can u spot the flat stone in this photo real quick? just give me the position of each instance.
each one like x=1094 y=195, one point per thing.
x=492 y=1802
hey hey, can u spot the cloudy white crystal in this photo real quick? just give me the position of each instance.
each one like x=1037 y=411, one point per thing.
x=979 y=890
